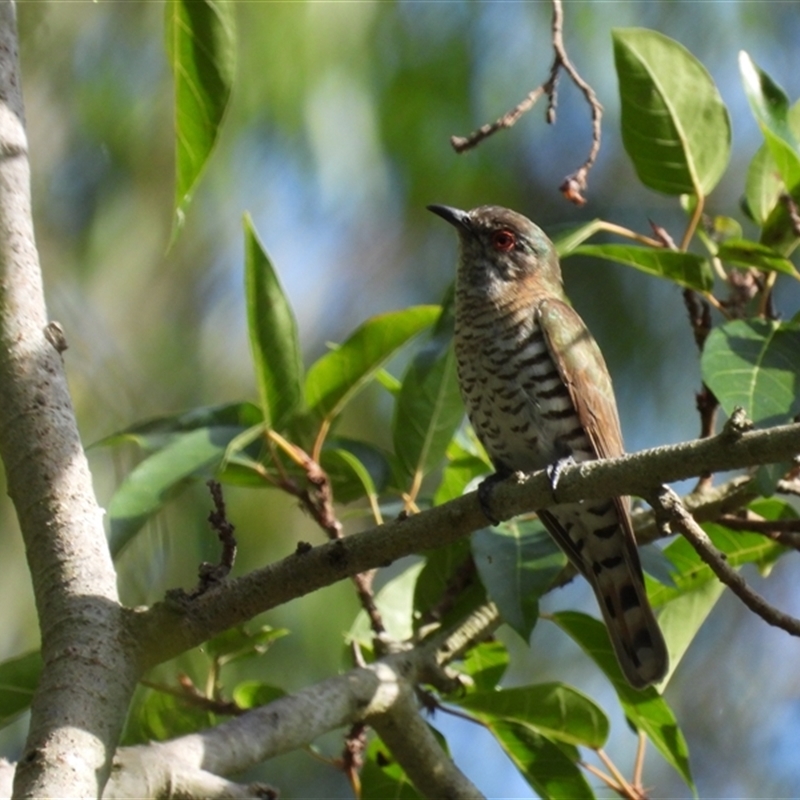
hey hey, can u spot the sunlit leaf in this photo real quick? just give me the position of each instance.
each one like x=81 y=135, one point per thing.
x=273 y=335
x=645 y=709
x=551 y=770
x=251 y=694
x=382 y=778
x=685 y=269
x=553 y=709
x=334 y=379
x=755 y=364
x=486 y=664
x=517 y=562
x=201 y=47
x=675 y=127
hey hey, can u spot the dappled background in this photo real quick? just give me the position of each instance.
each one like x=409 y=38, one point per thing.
x=337 y=138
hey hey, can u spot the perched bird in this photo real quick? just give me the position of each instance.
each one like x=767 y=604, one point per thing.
x=538 y=393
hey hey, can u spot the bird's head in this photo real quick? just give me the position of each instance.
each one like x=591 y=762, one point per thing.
x=501 y=247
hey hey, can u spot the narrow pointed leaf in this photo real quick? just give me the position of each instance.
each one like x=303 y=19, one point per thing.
x=19 y=677
x=151 y=483
x=554 y=709
x=201 y=47
x=273 y=335
x=334 y=379
x=675 y=127
x=152 y=434
x=646 y=710
x=745 y=253
x=486 y=664
x=517 y=563
x=685 y=269
x=770 y=107
x=755 y=364
x=429 y=407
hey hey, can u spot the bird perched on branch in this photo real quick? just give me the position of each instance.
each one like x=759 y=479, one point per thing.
x=538 y=394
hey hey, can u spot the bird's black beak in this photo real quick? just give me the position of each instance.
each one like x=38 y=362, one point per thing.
x=455 y=216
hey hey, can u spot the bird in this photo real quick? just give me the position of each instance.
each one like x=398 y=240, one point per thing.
x=538 y=395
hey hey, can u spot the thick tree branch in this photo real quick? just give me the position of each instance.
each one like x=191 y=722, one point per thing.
x=168 y=629
x=381 y=695
x=89 y=671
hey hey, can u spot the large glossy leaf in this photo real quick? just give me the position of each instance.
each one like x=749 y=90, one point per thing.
x=755 y=364
x=429 y=407
x=551 y=770
x=151 y=483
x=273 y=335
x=19 y=678
x=486 y=664
x=770 y=107
x=201 y=46
x=685 y=269
x=554 y=709
x=338 y=376
x=675 y=127
x=517 y=562
x=646 y=710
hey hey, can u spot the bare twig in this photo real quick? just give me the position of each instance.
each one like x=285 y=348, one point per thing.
x=783 y=531
x=192 y=696
x=575 y=184
x=680 y=520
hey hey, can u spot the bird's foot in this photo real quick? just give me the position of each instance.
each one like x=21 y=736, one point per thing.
x=485 y=489
x=555 y=469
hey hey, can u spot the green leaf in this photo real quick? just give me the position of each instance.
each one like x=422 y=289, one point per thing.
x=429 y=407
x=685 y=269
x=19 y=677
x=690 y=572
x=201 y=47
x=383 y=778
x=161 y=716
x=395 y=602
x=553 y=709
x=356 y=469
x=449 y=584
x=242 y=642
x=646 y=710
x=755 y=364
x=151 y=483
x=675 y=127
x=567 y=241
x=338 y=376
x=745 y=253
x=551 y=770
x=517 y=562
x=251 y=694
x=770 y=107
x=153 y=434
x=486 y=664
x=273 y=335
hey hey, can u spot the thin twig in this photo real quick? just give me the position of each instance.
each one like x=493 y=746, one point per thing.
x=574 y=185
x=670 y=507
x=783 y=531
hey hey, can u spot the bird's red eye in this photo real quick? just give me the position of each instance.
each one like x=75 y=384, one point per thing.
x=503 y=241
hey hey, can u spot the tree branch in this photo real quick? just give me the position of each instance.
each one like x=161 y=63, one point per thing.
x=680 y=520
x=89 y=672
x=169 y=628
